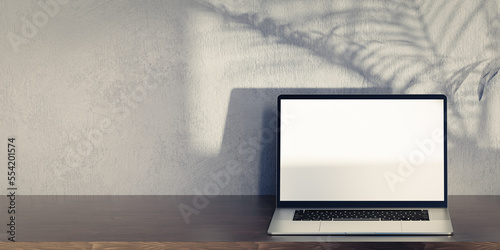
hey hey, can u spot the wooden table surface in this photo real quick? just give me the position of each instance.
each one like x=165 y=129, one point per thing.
x=99 y=222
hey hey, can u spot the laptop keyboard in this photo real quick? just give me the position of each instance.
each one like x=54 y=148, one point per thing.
x=361 y=215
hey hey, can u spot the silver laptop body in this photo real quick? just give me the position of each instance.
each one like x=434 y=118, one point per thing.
x=369 y=153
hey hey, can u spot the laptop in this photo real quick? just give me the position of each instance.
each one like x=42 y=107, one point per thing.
x=361 y=165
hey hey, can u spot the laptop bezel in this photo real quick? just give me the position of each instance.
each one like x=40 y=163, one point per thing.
x=361 y=204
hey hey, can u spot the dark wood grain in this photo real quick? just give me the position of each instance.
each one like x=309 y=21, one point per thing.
x=250 y=245
x=100 y=222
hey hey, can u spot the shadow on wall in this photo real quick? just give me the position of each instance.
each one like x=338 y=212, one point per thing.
x=404 y=46
x=398 y=44
x=249 y=140
x=246 y=163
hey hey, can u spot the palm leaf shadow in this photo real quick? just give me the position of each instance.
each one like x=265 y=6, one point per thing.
x=396 y=44
x=399 y=54
x=489 y=72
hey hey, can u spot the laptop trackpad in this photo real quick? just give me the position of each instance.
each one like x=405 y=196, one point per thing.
x=360 y=227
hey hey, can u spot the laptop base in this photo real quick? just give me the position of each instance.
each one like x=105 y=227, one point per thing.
x=283 y=224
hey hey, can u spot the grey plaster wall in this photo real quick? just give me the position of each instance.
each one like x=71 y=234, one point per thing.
x=178 y=97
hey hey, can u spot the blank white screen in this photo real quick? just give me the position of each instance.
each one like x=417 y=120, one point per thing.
x=362 y=150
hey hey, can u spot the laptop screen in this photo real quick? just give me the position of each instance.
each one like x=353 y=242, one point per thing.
x=362 y=148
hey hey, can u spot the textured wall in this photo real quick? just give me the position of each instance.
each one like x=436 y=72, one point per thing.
x=178 y=97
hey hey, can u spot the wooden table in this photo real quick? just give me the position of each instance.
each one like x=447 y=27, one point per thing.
x=98 y=222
